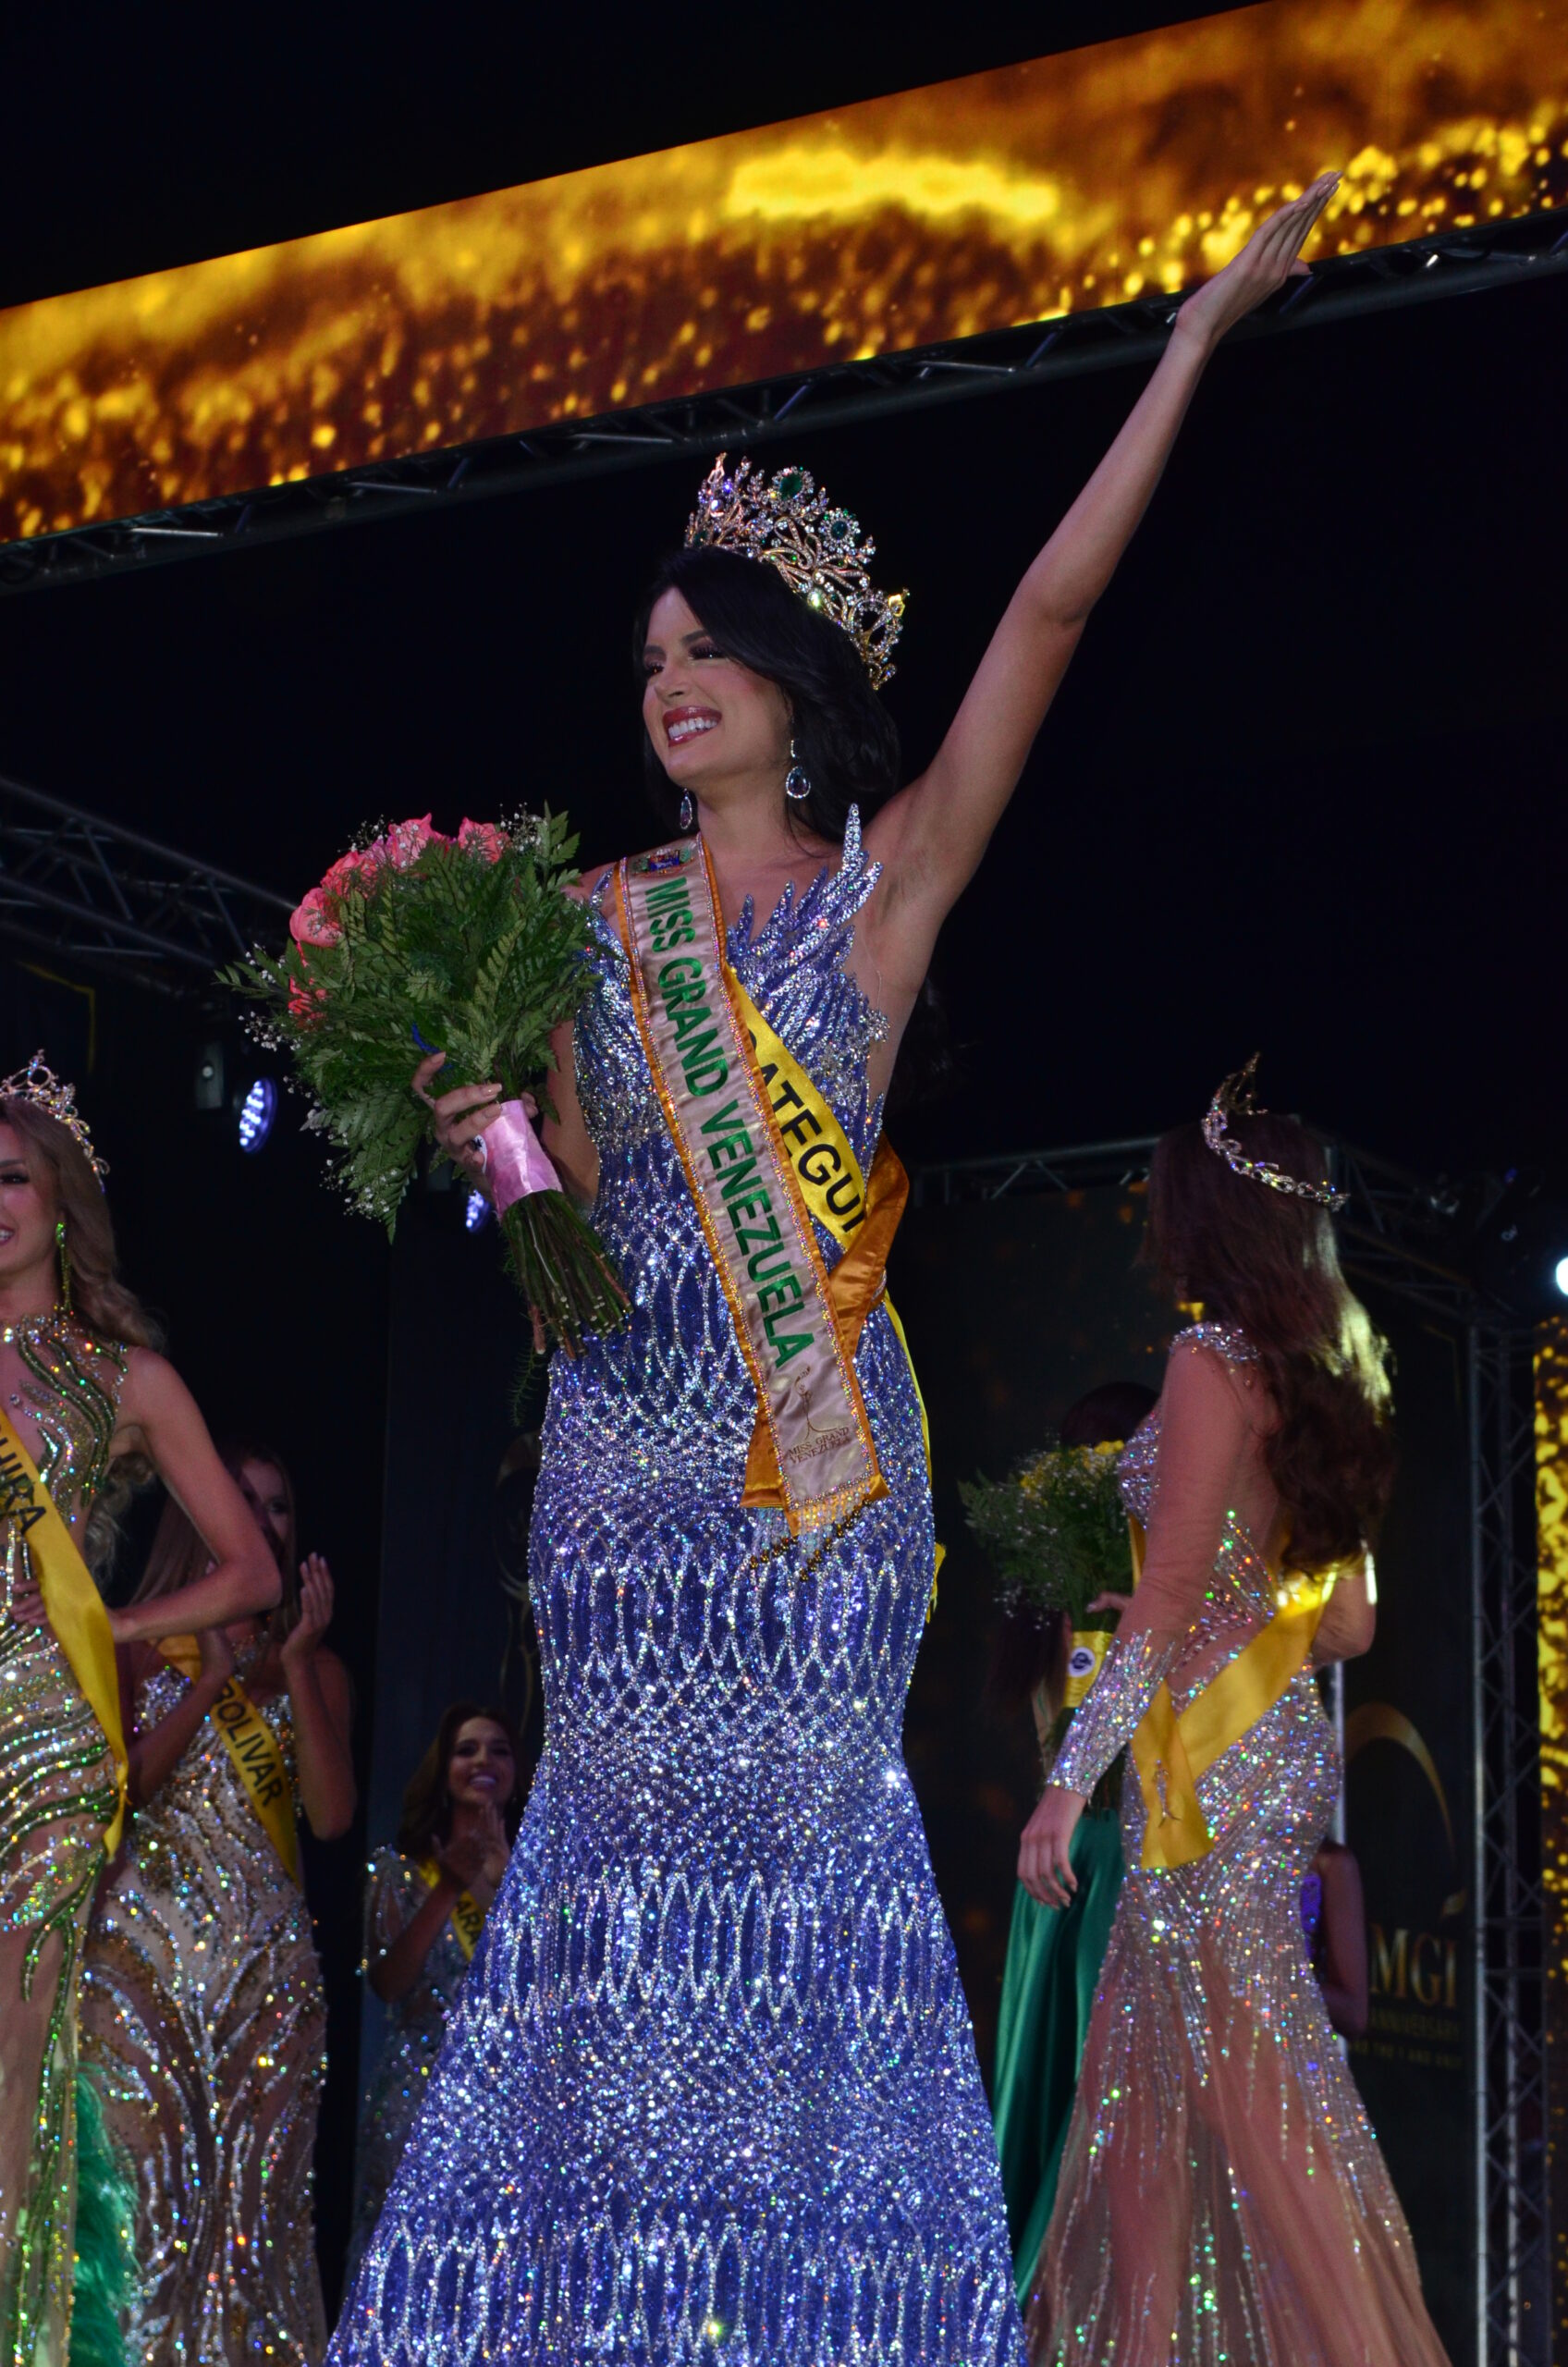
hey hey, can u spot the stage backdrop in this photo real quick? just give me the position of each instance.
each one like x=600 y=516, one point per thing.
x=1013 y=1308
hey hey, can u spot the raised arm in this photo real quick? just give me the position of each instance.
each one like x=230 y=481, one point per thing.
x=161 y=1420
x=931 y=837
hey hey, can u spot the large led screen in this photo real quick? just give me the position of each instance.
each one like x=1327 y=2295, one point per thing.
x=1078 y=180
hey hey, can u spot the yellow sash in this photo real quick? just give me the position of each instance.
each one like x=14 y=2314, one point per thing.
x=73 y=1603
x=467 y=1917
x=862 y=1218
x=1170 y=1753
x=252 y=1747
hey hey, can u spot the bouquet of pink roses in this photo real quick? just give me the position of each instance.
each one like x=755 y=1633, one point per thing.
x=416 y=942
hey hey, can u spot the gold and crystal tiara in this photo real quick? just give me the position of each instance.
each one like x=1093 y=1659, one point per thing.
x=788 y=522
x=1235 y=1097
x=37 y=1083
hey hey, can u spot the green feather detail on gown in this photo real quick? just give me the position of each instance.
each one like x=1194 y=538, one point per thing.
x=106 y=2213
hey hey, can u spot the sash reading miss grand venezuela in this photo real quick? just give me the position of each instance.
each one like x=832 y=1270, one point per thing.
x=812 y=1451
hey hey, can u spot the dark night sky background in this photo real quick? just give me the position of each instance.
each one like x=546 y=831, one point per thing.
x=1301 y=789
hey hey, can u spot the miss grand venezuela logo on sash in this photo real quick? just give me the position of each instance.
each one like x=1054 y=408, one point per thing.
x=813 y=1451
x=254 y=1748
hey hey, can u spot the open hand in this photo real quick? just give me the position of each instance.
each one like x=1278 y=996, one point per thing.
x=1271 y=256
x=1045 y=1864
x=316 y=1609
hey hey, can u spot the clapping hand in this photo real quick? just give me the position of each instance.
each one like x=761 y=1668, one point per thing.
x=1271 y=256
x=316 y=1609
x=476 y=1857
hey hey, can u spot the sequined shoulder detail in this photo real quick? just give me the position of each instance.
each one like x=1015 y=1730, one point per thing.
x=1225 y=1339
x=72 y=1388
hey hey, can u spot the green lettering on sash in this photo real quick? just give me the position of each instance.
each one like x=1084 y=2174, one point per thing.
x=731 y=1148
x=783 y=1295
x=685 y=966
x=747 y=1235
x=759 y=1268
x=665 y=893
x=725 y=1120
x=791 y=1346
x=691 y=1015
x=706 y=1076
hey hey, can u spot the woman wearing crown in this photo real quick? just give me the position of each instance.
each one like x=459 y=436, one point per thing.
x=710 y=2091
x=86 y=1407
x=1221 y=2197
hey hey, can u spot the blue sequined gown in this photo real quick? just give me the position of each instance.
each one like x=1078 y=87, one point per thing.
x=711 y=2094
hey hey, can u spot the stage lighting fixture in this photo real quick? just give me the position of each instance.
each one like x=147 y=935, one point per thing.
x=209 y=1077
x=477 y=1213
x=256 y=1113
x=1560 y=1276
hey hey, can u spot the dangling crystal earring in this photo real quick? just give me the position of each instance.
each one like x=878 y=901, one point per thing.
x=688 y=810
x=65 y=1264
x=797 y=780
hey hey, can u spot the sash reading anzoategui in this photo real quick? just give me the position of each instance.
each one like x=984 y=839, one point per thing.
x=812 y=1451
x=72 y=1601
x=252 y=1747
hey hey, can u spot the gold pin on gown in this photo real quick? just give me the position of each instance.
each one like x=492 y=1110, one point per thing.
x=1222 y=2201
x=203 y=2011
x=57 y=1793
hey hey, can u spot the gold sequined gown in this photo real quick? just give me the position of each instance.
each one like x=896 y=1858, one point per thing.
x=56 y=1795
x=1222 y=2200
x=203 y=2008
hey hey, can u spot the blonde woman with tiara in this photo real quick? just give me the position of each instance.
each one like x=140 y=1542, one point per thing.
x=87 y=1408
x=203 y=2013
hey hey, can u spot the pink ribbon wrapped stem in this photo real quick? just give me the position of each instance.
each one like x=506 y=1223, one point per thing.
x=515 y=1159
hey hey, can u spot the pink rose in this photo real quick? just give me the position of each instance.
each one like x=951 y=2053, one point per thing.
x=348 y=868
x=406 y=841
x=482 y=838
x=313 y=922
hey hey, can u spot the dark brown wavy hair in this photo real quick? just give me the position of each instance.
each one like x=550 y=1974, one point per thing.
x=1267 y=1263
x=427 y=1803
x=99 y=1298
x=178 y=1554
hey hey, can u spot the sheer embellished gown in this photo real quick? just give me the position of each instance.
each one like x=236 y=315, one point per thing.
x=711 y=2092
x=1222 y=2199
x=57 y=1793
x=205 y=2021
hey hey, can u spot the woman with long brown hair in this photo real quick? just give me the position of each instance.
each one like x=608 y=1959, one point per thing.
x=424 y=1909
x=1222 y=2197
x=203 y=2006
x=87 y=1406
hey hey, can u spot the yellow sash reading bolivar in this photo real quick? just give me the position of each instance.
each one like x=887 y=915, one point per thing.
x=467 y=1917
x=252 y=1747
x=73 y=1603
x=1170 y=1753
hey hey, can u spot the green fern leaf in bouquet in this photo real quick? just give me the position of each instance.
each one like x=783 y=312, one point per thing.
x=468 y=945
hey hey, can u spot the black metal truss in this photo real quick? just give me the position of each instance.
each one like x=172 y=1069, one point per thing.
x=1397 y=1233
x=77 y=885
x=1456 y=263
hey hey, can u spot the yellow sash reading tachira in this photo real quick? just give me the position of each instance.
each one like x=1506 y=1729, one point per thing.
x=252 y=1745
x=467 y=1917
x=1171 y=1753
x=73 y=1603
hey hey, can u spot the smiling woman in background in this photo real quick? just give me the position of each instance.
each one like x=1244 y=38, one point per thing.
x=427 y=1905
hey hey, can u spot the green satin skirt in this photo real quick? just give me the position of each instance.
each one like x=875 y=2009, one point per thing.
x=1053 y=1969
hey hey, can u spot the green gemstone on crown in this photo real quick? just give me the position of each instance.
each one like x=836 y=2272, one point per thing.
x=790 y=484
